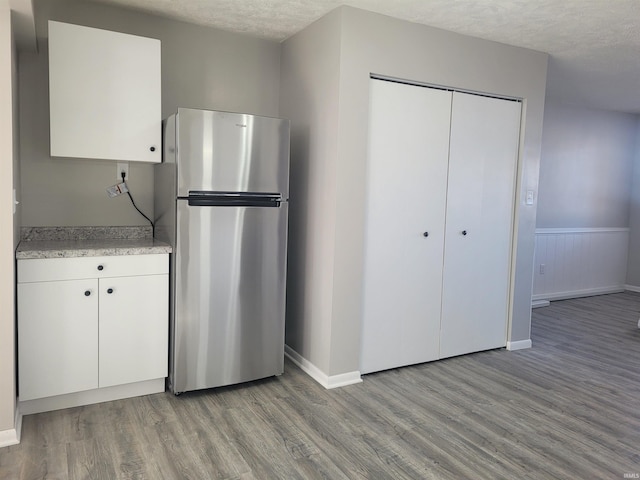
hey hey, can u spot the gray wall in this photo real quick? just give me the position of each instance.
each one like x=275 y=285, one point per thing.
x=633 y=267
x=372 y=43
x=309 y=95
x=8 y=237
x=586 y=167
x=201 y=68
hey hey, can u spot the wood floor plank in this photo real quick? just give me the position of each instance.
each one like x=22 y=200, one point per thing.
x=211 y=444
x=89 y=460
x=127 y=452
x=177 y=450
x=567 y=408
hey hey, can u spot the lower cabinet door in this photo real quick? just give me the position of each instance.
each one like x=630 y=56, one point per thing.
x=133 y=329
x=57 y=338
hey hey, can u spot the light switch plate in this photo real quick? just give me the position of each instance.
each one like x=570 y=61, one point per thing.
x=529 y=200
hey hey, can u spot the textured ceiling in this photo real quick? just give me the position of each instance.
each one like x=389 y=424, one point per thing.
x=594 y=45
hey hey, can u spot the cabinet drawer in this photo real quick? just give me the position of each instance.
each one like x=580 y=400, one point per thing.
x=51 y=269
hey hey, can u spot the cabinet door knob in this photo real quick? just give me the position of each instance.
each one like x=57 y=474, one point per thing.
x=87 y=293
x=464 y=232
x=109 y=290
x=100 y=267
x=153 y=149
x=426 y=234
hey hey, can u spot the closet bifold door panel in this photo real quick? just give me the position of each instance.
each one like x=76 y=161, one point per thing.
x=483 y=155
x=441 y=178
x=405 y=219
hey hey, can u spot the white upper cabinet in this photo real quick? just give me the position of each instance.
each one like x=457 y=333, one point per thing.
x=104 y=94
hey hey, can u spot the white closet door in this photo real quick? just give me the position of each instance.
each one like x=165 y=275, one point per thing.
x=482 y=170
x=407 y=178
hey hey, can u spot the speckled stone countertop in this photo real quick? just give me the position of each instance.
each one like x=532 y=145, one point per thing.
x=68 y=242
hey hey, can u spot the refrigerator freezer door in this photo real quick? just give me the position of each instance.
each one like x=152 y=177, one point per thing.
x=231 y=152
x=229 y=295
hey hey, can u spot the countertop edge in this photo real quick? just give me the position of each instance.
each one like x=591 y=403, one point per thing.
x=31 y=250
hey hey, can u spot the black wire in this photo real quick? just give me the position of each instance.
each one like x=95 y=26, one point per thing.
x=153 y=227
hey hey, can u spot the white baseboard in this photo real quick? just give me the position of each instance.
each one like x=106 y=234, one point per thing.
x=89 y=397
x=578 y=293
x=327 y=381
x=543 y=300
x=12 y=436
x=540 y=303
x=344 y=379
x=519 y=345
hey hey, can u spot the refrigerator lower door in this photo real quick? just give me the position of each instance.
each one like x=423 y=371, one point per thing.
x=230 y=274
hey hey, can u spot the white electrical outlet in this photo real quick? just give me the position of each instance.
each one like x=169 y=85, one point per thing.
x=122 y=167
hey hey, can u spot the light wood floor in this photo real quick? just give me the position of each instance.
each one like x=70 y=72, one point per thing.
x=567 y=408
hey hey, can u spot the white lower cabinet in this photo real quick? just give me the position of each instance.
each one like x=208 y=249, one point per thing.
x=91 y=323
x=57 y=337
x=133 y=330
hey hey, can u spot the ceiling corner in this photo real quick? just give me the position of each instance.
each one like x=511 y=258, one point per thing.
x=24 y=25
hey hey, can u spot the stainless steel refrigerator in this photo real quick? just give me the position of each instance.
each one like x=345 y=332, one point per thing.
x=221 y=201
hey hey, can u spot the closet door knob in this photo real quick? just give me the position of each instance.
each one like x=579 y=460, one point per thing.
x=426 y=234
x=464 y=232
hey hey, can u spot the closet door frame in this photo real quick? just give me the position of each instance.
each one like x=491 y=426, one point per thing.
x=513 y=216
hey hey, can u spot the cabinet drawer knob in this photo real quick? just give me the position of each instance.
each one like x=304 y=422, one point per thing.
x=153 y=149
x=464 y=232
x=100 y=267
x=109 y=290
x=426 y=234
x=87 y=293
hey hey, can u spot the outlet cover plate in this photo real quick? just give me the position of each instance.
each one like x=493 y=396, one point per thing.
x=122 y=167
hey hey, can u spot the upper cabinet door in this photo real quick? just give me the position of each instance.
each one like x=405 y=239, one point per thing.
x=104 y=94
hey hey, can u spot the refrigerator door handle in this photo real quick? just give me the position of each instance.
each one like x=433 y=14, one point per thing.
x=233 y=199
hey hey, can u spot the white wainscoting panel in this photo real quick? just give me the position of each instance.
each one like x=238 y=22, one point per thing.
x=578 y=262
